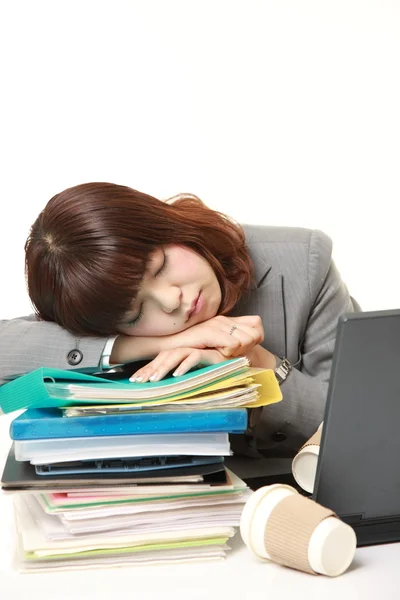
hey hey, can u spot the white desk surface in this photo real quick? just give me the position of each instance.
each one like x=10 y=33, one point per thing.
x=375 y=573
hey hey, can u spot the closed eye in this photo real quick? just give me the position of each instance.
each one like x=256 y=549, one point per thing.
x=163 y=266
x=136 y=320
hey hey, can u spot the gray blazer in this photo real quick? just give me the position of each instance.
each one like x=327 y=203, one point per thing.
x=298 y=294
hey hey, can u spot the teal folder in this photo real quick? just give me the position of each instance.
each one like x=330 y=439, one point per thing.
x=32 y=390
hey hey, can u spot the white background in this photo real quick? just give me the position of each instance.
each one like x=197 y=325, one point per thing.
x=281 y=112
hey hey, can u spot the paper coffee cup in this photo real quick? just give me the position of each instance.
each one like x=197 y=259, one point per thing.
x=279 y=524
x=304 y=464
x=256 y=512
x=332 y=547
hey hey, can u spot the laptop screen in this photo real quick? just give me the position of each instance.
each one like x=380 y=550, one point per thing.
x=358 y=473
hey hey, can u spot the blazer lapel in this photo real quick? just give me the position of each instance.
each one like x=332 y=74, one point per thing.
x=266 y=299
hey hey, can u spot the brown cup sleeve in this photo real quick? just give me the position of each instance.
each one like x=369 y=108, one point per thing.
x=289 y=529
x=315 y=440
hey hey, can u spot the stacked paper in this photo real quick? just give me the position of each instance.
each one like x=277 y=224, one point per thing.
x=88 y=528
x=113 y=478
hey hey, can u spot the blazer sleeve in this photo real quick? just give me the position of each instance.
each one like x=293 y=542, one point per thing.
x=27 y=343
x=287 y=425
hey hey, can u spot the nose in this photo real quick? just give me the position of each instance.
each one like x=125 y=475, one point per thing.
x=169 y=298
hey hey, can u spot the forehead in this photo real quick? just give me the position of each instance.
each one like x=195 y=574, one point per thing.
x=177 y=257
x=182 y=253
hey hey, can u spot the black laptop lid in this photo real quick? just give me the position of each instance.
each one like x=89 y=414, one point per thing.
x=358 y=474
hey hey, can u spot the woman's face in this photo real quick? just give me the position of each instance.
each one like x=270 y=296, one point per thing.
x=179 y=289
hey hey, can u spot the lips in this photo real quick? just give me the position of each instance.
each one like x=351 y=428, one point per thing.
x=194 y=308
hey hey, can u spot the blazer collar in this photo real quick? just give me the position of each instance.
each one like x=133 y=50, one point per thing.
x=262 y=265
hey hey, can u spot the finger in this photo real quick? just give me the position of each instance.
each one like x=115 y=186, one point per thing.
x=249 y=336
x=251 y=323
x=254 y=328
x=170 y=362
x=142 y=375
x=195 y=358
x=251 y=320
x=223 y=338
x=190 y=361
x=245 y=342
x=225 y=351
x=155 y=369
x=215 y=332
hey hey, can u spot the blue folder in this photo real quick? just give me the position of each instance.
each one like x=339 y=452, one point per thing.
x=126 y=465
x=49 y=423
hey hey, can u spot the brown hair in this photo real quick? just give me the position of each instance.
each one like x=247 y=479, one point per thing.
x=87 y=252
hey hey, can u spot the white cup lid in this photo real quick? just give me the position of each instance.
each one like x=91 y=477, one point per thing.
x=304 y=467
x=331 y=547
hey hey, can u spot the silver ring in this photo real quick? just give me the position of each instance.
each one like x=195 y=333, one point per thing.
x=232 y=329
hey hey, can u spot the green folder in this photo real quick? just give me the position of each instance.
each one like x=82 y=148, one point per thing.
x=217 y=541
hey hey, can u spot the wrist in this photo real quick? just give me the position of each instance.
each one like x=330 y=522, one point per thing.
x=183 y=339
x=128 y=348
x=260 y=357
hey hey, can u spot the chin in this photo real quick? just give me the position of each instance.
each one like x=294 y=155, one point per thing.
x=128 y=332
x=184 y=326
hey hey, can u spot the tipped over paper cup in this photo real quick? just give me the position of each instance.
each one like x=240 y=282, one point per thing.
x=304 y=465
x=280 y=525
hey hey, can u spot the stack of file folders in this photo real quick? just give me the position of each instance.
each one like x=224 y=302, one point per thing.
x=118 y=473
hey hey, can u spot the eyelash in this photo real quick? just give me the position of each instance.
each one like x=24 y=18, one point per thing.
x=163 y=266
x=159 y=272
x=136 y=321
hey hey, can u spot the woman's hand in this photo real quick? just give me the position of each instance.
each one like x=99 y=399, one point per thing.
x=215 y=333
x=232 y=336
x=180 y=359
x=184 y=359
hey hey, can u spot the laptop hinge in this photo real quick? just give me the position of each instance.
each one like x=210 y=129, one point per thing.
x=360 y=519
x=352 y=519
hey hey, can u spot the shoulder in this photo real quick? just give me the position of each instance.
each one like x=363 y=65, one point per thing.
x=286 y=236
x=297 y=252
x=5 y=322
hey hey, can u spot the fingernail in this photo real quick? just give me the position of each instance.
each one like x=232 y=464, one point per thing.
x=136 y=379
x=176 y=373
x=155 y=376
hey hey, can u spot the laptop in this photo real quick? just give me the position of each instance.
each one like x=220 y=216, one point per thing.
x=358 y=472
